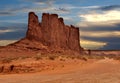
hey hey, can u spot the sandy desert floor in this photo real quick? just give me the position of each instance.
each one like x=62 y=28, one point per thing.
x=100 y=71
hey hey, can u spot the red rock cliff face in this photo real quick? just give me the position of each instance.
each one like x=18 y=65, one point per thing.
x=34 y=28
x=53 y=33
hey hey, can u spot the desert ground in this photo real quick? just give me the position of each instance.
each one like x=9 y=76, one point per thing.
x=62 y=70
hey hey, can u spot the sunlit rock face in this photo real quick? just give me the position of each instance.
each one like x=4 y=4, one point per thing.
x=49 y=36
x=52 y=32
x=33 y=32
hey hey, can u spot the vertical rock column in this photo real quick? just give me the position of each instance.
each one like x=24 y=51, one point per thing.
x=34 y=28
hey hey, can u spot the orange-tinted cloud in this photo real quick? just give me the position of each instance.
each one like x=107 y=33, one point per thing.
x=100 y=34
x=105 y=18
x=89 y=44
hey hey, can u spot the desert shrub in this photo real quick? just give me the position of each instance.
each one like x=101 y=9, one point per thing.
x=11 y=67
x=38 y=57
x=62 y=59
x=7 y=60
x=52 y=57
x=72 y=57
x=83 y=58
x=116 y=57
x=95 y=56
x=1 y=69
x=63 y=66
x=110 y=56
x=24 y=57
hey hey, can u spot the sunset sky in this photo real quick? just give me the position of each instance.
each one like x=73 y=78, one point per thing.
x=99 y=20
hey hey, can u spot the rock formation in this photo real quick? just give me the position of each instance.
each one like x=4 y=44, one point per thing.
x=52 y=32
x=49 y=35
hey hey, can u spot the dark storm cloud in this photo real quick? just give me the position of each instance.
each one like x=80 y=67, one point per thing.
x=113 y=43
x=110 y=7
x=12 y=35
x=41 y=0
x=101 y=28
x=111 y=46
x=12 y=11
x=5 y=13
x=19 y=31
x=109 y=39
x=7 y=25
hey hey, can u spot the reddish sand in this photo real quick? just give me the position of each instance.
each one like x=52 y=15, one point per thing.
x=91 y=71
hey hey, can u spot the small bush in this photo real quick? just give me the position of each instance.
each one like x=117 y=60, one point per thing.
x=7 y=60
x=116 y=58
x=72 y=57
x=52 y=57
x=62 y=59
x=1 y=69
x=63 y=66
x=24 y=57
x=84 y=59
x=38 y=57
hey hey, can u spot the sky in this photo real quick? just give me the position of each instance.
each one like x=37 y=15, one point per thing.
x=98 y=20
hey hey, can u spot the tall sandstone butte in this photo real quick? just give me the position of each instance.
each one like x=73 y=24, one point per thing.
x=53 y=33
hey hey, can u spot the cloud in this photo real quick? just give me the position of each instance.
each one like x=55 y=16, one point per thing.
x=100 y=34
x=12 y=11
x=62 y=9
x=41 y=0
x=13 y=35
x=12 y=31
x=89 y=44
x=41 y=6
x=6 y=31
x=89 y=7
x=38 y=6
x=105 y=18
x=111 y=46
x=110 y=7
x=69 y=6
x=35 y=9
x=102 y=17
x=46 y=9
x=5 y=13
x=48 y=2
x=6 y=42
